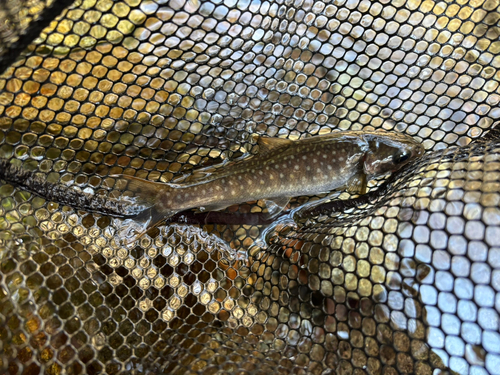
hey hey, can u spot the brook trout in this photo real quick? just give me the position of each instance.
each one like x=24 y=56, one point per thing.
x=280 y=170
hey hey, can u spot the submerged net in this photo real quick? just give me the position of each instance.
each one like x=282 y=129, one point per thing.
x=407 y=283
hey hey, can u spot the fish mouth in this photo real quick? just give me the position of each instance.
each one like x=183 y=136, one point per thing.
x=418 y=151
x=415 y=154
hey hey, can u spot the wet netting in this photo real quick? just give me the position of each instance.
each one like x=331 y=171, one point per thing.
x=407 y=281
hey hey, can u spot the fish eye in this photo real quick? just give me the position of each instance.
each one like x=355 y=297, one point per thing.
x=401 y=158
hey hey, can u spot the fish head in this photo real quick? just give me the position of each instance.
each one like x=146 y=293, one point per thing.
x=388 y=152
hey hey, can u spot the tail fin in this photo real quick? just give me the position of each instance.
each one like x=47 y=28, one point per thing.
x=37 y=184
x=150 y=197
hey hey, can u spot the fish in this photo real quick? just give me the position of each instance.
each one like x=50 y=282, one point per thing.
x=281 y=169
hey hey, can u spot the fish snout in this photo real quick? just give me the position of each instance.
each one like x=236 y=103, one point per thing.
x=418 y=151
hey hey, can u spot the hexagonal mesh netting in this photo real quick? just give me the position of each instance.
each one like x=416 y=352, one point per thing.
x=407 y=283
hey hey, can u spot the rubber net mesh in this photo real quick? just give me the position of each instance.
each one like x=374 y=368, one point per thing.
x=409 y=283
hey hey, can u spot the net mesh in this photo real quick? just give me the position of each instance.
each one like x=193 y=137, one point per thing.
x=409 y=283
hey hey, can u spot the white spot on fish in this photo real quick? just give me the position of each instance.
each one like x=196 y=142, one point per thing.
x=233 y=192
x=304 y=157
x=308 y=168
x=315 y=161
x=318 y=170
x=296 y=167
x=341 y=158
x=282 y=175
x=329 y=167
x=262 y=182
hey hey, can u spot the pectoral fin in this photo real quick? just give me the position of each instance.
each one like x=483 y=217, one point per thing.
x=357 y=184
x=275 y=206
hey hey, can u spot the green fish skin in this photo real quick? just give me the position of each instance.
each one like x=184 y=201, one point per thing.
x=281 y=169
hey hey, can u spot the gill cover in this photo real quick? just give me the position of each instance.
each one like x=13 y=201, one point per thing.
x=389 y=153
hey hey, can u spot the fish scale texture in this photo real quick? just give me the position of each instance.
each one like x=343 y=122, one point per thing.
x=407 y=284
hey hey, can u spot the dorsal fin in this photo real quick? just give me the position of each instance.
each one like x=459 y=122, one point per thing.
x=267 y=144
x=211 y=172
x=196 y=175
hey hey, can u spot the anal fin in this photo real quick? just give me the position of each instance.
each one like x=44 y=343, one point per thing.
x=276 y=205
x=357 y=184
x=133 y=229
x=215 y=207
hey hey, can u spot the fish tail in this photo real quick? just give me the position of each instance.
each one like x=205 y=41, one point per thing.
x=37 y=184
x=152 y=199
x=148 y=194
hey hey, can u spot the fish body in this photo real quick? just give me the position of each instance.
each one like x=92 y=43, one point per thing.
x=306 y=167
x=282 y=169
